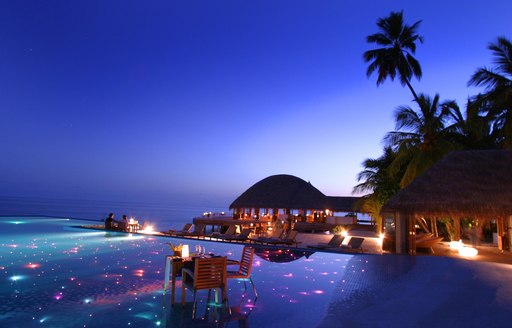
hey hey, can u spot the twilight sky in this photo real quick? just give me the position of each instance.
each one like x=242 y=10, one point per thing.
x=194 y=101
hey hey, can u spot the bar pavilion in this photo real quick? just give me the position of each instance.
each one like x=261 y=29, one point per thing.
x=466 y=185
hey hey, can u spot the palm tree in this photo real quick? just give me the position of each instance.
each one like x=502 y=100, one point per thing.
x=422 y=138
x=472 y=131
x=397 y=42
x=376 y=177
x=497 y=82
x=377 y=180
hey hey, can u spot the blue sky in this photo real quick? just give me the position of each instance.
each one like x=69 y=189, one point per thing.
x=195 y=101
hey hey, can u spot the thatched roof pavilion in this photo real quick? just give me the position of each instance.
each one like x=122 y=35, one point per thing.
x=290 y=192
x=281 y=191
x=464 y=184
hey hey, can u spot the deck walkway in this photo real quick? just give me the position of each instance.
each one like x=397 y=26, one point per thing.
x=372 y=245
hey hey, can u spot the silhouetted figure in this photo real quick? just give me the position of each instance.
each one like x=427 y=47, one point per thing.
x=123 y=225
x=110 y=222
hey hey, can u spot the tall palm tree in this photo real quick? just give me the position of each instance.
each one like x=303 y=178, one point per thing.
x=397 y=45
x=497 y=82
x=422 y=138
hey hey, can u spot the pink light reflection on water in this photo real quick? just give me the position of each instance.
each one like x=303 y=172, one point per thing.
x=32 y=265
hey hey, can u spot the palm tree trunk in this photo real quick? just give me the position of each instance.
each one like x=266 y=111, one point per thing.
x=412 y=91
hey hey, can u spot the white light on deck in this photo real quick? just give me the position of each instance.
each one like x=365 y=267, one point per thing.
x=456 y=244
x=468 y=251
x=148 y=230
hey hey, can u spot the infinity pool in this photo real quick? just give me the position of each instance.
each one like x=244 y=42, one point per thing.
x=54 y=274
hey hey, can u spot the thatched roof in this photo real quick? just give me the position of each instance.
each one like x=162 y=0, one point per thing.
x=342 y=204
x=281 y=191
x=473 y=184
x=288 y=191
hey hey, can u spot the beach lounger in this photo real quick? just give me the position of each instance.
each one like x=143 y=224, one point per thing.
x=353 y=245
x=243 y=236
x=288 y=239
x=186 y=228
x=335 y=241
x=198 y=231
x=230 y=232
x=428 y=242
x=277 y=233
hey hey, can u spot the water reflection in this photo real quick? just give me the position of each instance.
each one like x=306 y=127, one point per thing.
x=213 y=315
x=281 y=255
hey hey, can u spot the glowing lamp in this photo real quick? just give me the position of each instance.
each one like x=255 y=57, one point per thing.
x=468 y=251
x=456 y=244
x=148 y=229
x=344 y=233
x=185 y=251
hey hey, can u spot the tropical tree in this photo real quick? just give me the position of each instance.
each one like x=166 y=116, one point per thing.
x=472 y=131
x=379 y=183
x=497 y=82
x=422 y=138
x=394 y=57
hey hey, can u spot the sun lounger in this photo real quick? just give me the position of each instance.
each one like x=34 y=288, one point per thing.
x=289 y=239
x=186 y=228
x=335 y=241
x=230 y=232
x=353 y=245
x=243 y=236
x=198 y=231
x=428 y=243
x=276 y=235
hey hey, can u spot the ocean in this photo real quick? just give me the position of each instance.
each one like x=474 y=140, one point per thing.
x=161 y=216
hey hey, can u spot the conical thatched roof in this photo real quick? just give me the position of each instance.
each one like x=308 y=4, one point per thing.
x=288 y=191
x=475 y=184
x=281 y=191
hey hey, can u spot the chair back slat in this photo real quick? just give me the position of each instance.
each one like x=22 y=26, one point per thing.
x=210 y=273
x=246 y=262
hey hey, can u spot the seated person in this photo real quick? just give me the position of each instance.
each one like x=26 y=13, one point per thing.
x=123 y=225
x=109 y=222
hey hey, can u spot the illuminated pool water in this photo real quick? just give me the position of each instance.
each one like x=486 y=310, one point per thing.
x=54 y=274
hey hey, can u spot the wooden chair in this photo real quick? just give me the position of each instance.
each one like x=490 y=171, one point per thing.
x=209 y=273
x=244 y=269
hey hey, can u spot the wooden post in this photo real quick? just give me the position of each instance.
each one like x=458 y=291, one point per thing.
x=411 y=235
x=456 y=223
x=400 y=233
